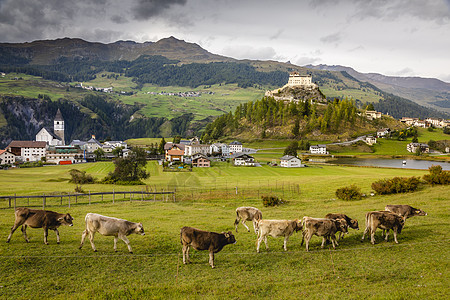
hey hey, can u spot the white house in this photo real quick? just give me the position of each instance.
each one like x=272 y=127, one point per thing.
x=235 y=147
x=372 y=114
x=216 y=148
x=190 y=150
x=318 y=149
x=370 y=140
x=27 y=150
x=412 y=147
x=244 y=160
x=116 y=144
x=7 y=157
x=93 y=144
x=383 y=132
x=289 y=161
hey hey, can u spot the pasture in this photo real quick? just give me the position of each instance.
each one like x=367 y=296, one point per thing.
x=416 y=267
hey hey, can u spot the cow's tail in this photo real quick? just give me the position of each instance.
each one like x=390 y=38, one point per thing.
x=236 y=222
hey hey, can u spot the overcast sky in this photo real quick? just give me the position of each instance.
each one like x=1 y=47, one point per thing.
x=395 y=37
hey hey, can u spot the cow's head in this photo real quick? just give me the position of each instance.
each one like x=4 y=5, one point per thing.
x=419 y=212
x=342 y=225
x=298 y=225
x=229 y=237
x=139 y=229
x=354 y=224
x=66 y=220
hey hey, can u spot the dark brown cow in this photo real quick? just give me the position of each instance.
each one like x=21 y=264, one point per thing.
x=204 y=240
x=405 y=211
x=38 y=218
x=385 y=220
x=247 y=213
x=326 y=228
x=352 y=223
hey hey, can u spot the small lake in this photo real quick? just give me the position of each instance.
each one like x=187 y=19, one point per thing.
x=390 y=163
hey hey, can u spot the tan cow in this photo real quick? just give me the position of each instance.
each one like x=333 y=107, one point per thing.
x=277 y=228
x=326 y=228
x=352 y=223
x=385 y=220
x=406 y=211
x=38 y=218
x=109 y=226
x=247 y=213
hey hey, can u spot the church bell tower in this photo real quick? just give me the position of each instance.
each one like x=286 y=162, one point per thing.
x=58 y=126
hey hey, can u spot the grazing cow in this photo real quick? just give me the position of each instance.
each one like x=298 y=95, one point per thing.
x=326 y=228
x=108 y=226
x=38 y=218
x=352 y=223
x=405 y=211
x=385 y=220
x=247 y=213
x=276 y=228
x=204 y=240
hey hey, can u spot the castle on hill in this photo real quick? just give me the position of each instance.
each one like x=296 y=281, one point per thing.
x=296 y=81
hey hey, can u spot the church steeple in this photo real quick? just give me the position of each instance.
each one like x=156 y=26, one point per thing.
x=58 y=126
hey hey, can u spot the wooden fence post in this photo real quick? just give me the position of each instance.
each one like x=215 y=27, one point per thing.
x=89 y=197
x=113 y=196
x=43 y=201
x=14 y=201
x=130 y=195
x=69 y=200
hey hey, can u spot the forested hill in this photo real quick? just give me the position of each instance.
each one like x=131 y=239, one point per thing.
x=92 y=115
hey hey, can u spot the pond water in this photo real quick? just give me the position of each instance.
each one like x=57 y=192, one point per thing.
x=391 y=163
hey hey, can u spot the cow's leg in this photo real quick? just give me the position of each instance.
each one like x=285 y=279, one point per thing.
x=24 y=232
x=83 y=237
x=13 y=228
x=124 y=238
x=259 y=243
x=395 y=236
x=186 y=254
x=286 y=238
x=307 y=239
x=323 y=242
x=333 y=241
x=45 y=235
x=115 y=244
x=255 y=226
x=236 y=222
x=366 y=231
x=243 y=223
x=57 y=235
x=211 y=259
x=387 y=234
x=265 y=242
x=372 y=236
x=91 y=239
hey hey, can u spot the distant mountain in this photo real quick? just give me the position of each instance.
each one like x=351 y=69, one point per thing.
x=47 y=52
x=430 y=92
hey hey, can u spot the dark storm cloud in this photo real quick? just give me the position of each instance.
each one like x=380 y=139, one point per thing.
x=146 y=9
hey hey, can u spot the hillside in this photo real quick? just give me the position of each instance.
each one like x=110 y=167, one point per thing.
x=429 y=92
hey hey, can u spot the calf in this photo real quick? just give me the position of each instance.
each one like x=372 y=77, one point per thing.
x=276 y=228
x=204 y=240
x=247 y=213
x=352 y=223
x=405 y=211
x=108 y=226
x=38 y=218
x=385 y=220
x=326 y=228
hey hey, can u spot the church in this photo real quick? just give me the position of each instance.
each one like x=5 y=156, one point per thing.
x=53 y=137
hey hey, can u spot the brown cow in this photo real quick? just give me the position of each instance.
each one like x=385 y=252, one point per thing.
x=352 y=223
x=385 y=220
x=405 y=210
x=38 y=218
x=204 y=240
x=326 y=228
x=247 y=213
x=277 y=228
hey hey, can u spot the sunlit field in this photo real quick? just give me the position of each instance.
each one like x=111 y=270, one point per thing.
x=207 y=198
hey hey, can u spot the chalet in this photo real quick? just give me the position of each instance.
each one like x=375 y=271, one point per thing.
x=201 y=161
x=289 y=161
x=235 y=147
x=318 y=149
x=373 y=115
x=370 y=140
x=385 y=132
x=174 y=152
x=27 y=150
x=7 y=158
x=244 y=160
x=93 y=144
x=116 y=144
x=413 y=147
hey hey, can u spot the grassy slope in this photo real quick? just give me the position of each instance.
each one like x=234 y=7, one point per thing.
x=418 y=266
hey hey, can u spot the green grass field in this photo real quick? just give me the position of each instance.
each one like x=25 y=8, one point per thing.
x=417 y=267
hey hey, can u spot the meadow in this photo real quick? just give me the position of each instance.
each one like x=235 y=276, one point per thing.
x=207 y=198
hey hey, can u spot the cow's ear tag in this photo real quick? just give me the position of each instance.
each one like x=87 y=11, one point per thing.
x=417 y=211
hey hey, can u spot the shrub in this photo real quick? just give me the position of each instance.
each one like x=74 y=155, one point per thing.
x=271 y=201
x=80 y=177
x=396 y=185
x=349 y=193
x=437 y=176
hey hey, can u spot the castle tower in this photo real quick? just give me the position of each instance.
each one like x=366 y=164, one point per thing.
x=58 y=126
